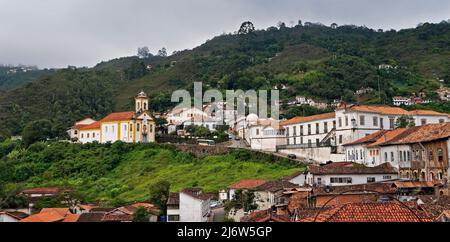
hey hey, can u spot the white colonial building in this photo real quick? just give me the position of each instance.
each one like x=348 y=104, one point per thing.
x=322 y=137
x=129 y=127
x=73 y=131
x=348 y=173
x=194 y=205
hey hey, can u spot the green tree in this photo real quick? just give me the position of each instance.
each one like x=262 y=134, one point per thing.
x=143 y=52
x=39 y=130
x=404 y=122
x=246 y=28
x=136 y=70
x=159 y=194
x=162 y=52
x=141 y=215
x=242 y=199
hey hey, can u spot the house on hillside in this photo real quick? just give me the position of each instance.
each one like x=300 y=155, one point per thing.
x=73 y=131
x=241 y=185
x=194 y=205
x=126 y=213
x=348 y=173
x=265 y=134
x=424 y=152
x=271 y=194
x=48 y=215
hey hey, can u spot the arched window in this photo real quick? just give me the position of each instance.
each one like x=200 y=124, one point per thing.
x=145 y=106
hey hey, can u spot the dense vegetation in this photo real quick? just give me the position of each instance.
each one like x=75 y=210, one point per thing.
x=321 y=62
x=9 y=80
x=119 y=172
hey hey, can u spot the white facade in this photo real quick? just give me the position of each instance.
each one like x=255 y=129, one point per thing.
x=73 y=131
x=347 y=179
x=7 y=218
x=398 y=101
x=420 y=120
x=179 y=116
x=172 y=212
x=299 y=179
x=264 y=136
x=89 y=136
x=194 y=209
x=207 y=123
x=308 y=133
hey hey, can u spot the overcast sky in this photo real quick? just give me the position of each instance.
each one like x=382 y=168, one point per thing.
x=57 y=33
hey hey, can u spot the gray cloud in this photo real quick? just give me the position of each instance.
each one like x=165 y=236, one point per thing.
x=57 y=33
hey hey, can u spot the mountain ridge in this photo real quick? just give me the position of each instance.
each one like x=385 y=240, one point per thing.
x=313 y=60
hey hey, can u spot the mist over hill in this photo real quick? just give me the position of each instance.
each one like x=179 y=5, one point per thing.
x=321 y=62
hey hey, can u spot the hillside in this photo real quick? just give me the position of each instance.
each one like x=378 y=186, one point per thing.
x=125 y=172
x=314 y=60
x=16 y=76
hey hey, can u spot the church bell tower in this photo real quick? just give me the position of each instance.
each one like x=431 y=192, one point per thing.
x=141 y=102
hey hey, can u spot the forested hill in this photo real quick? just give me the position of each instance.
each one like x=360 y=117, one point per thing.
x=311 y=59
x=16 y=76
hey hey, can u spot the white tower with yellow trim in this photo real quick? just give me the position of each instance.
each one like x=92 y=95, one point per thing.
x=141 y=102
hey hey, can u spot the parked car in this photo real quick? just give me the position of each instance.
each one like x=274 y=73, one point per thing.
x=292 y=156
x=215 y=204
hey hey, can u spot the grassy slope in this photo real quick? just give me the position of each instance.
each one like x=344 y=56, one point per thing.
x=138 y=168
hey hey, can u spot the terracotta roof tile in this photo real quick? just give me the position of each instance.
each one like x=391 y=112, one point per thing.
x=369 y=212
x=273 y=186
x=388 y=136
x=263 y=216
x=368 y=139
x=71 y=218
x=247 y=184
x=118 y=116
x=43 y=217
x=61 y=211
x=95 y=125
x=298 y=120
x=425 y=133
x=380 y=187
x=420 y=112
x=381 y=109
x=352 y=168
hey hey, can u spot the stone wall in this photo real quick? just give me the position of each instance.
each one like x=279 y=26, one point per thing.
x=202 y=151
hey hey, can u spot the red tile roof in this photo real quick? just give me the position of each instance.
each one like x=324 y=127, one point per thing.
x=388 y=136
x=351 y=168
x=71 y=218
x=426 y=113
x=95 y=125
x=61 y=211
x=369 y=212
x=368 y=139
x=43 y=217
x=297 y=120
x=247 y=184
x=263 y=216
x=118 y=116
x=381 y=109
x=425 y=133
